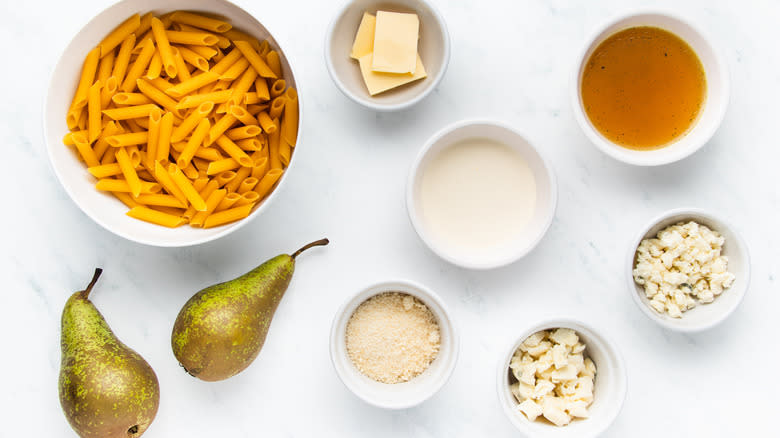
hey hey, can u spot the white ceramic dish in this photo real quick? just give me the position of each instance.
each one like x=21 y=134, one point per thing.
x=78 y=183
x=711 y=114
x=546 y=192
x=434 y=49
x=703 y=316
x=609 y=387
x=399 y=395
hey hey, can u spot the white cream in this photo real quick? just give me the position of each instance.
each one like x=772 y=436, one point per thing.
x=477 y=195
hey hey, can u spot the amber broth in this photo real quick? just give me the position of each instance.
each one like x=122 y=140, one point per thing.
x=643 y=87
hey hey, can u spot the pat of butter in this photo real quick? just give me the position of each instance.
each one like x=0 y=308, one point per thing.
x=379 y=82
x=395 y=42
x=364 y=40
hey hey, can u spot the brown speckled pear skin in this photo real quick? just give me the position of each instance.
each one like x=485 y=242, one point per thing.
x=107 y=390
x=221 y=329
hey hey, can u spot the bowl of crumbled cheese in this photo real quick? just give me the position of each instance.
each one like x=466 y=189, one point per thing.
x=393 y=344
x=688 y=270
x=561 y=378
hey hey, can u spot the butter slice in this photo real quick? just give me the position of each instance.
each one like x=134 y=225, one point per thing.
x=377 y=82
x=364 y=40
x=395 y=42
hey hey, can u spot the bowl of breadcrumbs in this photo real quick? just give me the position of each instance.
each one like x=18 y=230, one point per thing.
x=393 y=344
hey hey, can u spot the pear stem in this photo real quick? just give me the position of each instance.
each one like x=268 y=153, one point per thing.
x=321 y=242
x=95 y=277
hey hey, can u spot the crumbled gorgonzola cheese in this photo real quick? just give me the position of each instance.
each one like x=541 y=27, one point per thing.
x=681 y=265
x=554 y=378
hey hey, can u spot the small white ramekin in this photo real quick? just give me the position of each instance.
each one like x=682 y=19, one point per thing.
x=399 y=395
x=712 y=112
x=546 y=192
x=434 y=49
x=703 y=316
x=609 y=390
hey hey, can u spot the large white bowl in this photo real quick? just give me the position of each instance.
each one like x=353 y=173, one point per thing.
x=399 y=395
x=546 y=193
x=609 y=390
x=103 y=208
x=703 y=316
x=434 y=49
x=711 y=114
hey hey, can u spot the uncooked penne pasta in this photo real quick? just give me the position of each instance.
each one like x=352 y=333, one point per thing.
x=206 y=52
x=241 y=175
x=193 y=143
x=87 y=78
x=234 y=151
x=155 y=117
x=122 y=59
x=267 y=182
x=181 y=66
x=250 y=144
x=120 y=140
x=120 y=185
x=274 y=63
x=192 y=120
x=160 y=200
x=186 y=187
x=158 y=96
x=225 y=177
x=155 y=66
x=268 y=124
x=164 y=46
x=220 y=166
x=193 y=58
x=254 y=59
x=247 y=184
x=128 y=170
x=194 y=100
x=219 y=128
x=277 y=106
x=138 y=67
x=130 y=99
x=243 y=115
x=228 y=201
x=213 y=200
x=260 y=168
x=290 y=131
x=94 y=122
x=227 y=216
x=166 y=181
x=243 y=132
x=156 y=217
x=164 y=137
x=247 y=198
x=131 y=112
x=105 y=66
x=195 y=82
x=201 y=22
x=118 y=35
x=85 y=150
x=192 y=38
x=277 y=88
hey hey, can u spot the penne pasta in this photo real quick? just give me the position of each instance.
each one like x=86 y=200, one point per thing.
x=227 y=216
x=105 y=66
x=235 y=70
x=250 y=144
x=201 y=22
x=247 y=185
x=242 y=115
x=156 y=217
x=274 y=63
x=192 y=38
x=126 y=199
x=121 y=140
x=195 y=82
x=130 y=99
x=119 y=34
x=158 y=96
x=267 y=182
x=220 y=166
x=290 y=125
x=130 y=112
x=277 y=88
x=277 y=106
x=120 y=185
x=164 y=137
x=155 y=66
x=208 y=154
x=185 y=128
x=225 y=63
x=247 y=198
x=186 y=187
x=181 y=67
x=254 y=59
x=206 y=52
x=86 y=79
x=213 y=200
x=241 y=175
x=274 y=160
x=243 y=132
x=194 y=100
x=234 y=151
x=268 y=124
x=138 y=67
x=261 y=88
x=160 y=200
x=193 y=143
x=193 y=58
x=122 y=59
x=237 y=35
x=228 y=201
x=101 y=145
x=219 y=128
x=225 y=177
x=166 y=54
x=155 y=118
x=128 y=170
x=94 y=122
x=260 y=168
x=81 y=140
x=166 y=181
x=242 y=86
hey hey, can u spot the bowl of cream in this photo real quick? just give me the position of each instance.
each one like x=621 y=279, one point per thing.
x=480 y=195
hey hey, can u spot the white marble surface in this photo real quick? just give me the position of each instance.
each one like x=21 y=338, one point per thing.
x=510 y=61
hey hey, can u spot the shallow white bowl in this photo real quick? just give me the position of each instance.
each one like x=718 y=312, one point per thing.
x=711 y=114
x=546 y=192
x=434 y=49
x=399 y=395
x=703 y=316
x=609 y=389
x=103 y=208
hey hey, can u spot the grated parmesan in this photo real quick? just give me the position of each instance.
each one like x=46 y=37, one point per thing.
x=392 y=337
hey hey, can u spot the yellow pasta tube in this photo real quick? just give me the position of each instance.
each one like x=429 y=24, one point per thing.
x=166 y=54
x=101 y=145
x=155 y=66
x=128 y=170
x=145 y=23
x=130 y=99
x=225 y=177
x=193 y=58
x=131 y=112
x=247 y=198
x=158 y=96
x=254 y=59
x=105 y=170
x=243 y=115
x=277 y=89
x=87 y=78
x=164 y=137
x=126 y=199
x=212 y=202
x=132 y=138
x=200 y=21
x=268 y=124
x=206 y=52
x=186 y=187
x=235 y=70
x=156 y=217
x=192 y=38
x=123 y=58
x=181 y=68
x=184 y=129
x=241 y=174
x=195 y=82
x=94 y=122
x=237 y=35
x=227 y=216
x=228 y=201
x=266 y=184
x=243 y=132
x=285 y=153
x=277 y=106
x=120 y=185
x=225 y=63
x=118 y=35
x=155 y=117
x=234 y=151
x=219 y=166
x=193 y=143
x=260 y=168
x=261 y=88
x=255 y=109
x=85 y=150
x=290 y=131
x=274 y=63
x=166 y=181
x=105 y=66
x=221 y=85
x=161 y=84
x=241 y=87
x=274 y=160
x=194 y=100
x=247 y=185
x=250 y=144
x=222 y=125
x=263 y=48
x=160 y=200
x=138 y=67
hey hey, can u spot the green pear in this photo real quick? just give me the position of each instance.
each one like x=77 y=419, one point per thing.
x=107 y=390
x=221 y=329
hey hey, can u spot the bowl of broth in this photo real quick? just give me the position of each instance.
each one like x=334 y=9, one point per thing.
x=649 y=88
